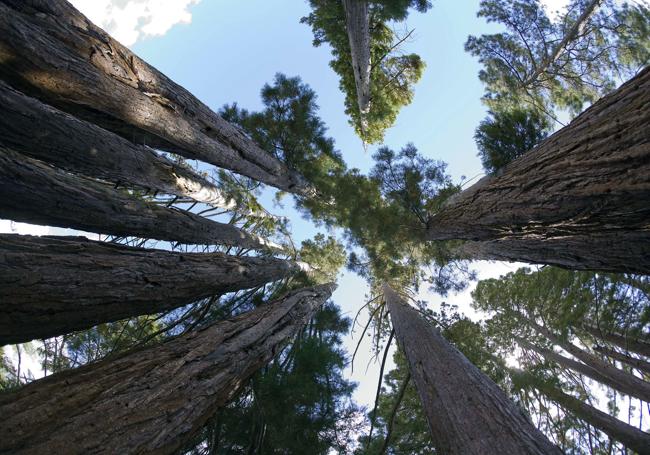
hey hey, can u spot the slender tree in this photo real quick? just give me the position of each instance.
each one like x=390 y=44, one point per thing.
x=104 y=82
x=152 y=400
x=639 y=364
x=627 y=342
x=55 y=285
x=357 y=25
x=554 y=205
x=34 y=192
x=467 y=412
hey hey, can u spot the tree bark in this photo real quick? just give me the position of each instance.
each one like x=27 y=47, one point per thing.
x=33 y=192
x=152 y=400
x=579 y=199
x=467 y=412
x=628 y=343
x=626 y=381
x=582 y=368
x=630 y=436
x=51 y=51
x=640 y=364
x=55 y=285
x=357 y=25
x=84 y=148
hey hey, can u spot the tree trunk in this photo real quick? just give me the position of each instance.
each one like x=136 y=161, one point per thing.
x=51 y=51
x=33 y=192
x=630 y=436
x=628 y=343
x=84 y=148
x=467 y=412
x=152 y=400
x=578 y=200
x=55 y=285
x=357 y=24
x=582 y=368
x=626 y=381
x=639 y=364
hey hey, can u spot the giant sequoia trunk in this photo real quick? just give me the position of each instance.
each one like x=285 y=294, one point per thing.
x=50 y=50
x=630 y=436
x=152 y=400
x=33 y=192
x=467 y=412
x=625 y=382
x=357 y=24
x=55 y=285
x=578 y=200
x=629 y=343
x=639 y=364
x=587 y=370
x=45 y=133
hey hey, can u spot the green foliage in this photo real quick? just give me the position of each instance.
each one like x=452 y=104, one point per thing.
x=506 y=135
x=392 y=73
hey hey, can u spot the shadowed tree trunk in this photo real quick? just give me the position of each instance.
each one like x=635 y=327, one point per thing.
x=630 y=436
x=578 y=200
x=51 y=51
x=152 y=400
x=357 y=24
x=33 y=192
x=84 y=148
x=55 y=285
x=629 y=343
x=467 y=412
x=582 y=368
x=639 y=364
x=625 y=381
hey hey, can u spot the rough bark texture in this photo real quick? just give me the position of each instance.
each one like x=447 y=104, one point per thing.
x=582 y=368
x=55 y=285
x=357 y=25
x=625 y=382
x=33 y=192
x=153 y=400
x=630 y=436
x=467 y=412
x=634 y=362
x=48 y=134
x=579 y=199
x=628 y=343
x=51 y=51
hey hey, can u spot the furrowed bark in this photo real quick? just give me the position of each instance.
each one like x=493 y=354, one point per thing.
x=152 y=400
x=579 y=367
x=357 y=25
x=84 y=148
x=33 y=192
x=51 y=51
x=628 y=343
x=625 y=381
x=467 y=412
x=639 y=364
x=579 y=199
x=630 y=436
x=55 y=285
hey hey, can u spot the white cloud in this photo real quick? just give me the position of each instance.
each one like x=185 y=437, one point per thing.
x=553 y=7
x=131 y=20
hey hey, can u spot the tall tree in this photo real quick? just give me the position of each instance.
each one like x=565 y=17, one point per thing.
x=554 y=205
x=627 y=342
x=56 y=285
x=357 y=25
x=104 y=82
x=152 y=400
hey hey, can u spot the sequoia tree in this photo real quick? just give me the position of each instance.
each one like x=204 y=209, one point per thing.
x=152 y=400
x=55 y=285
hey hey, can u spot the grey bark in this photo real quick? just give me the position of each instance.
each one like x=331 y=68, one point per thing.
x=630 y=436
x=588 y=370
x=48 y=134
x=629 y=343
x=625 y=381
x=357 y=25
x=640 y=364
x=34 y=192
x=152 y=400
x=51 y=51
x=579 y=199
x=467 y=412
x=55 y=285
